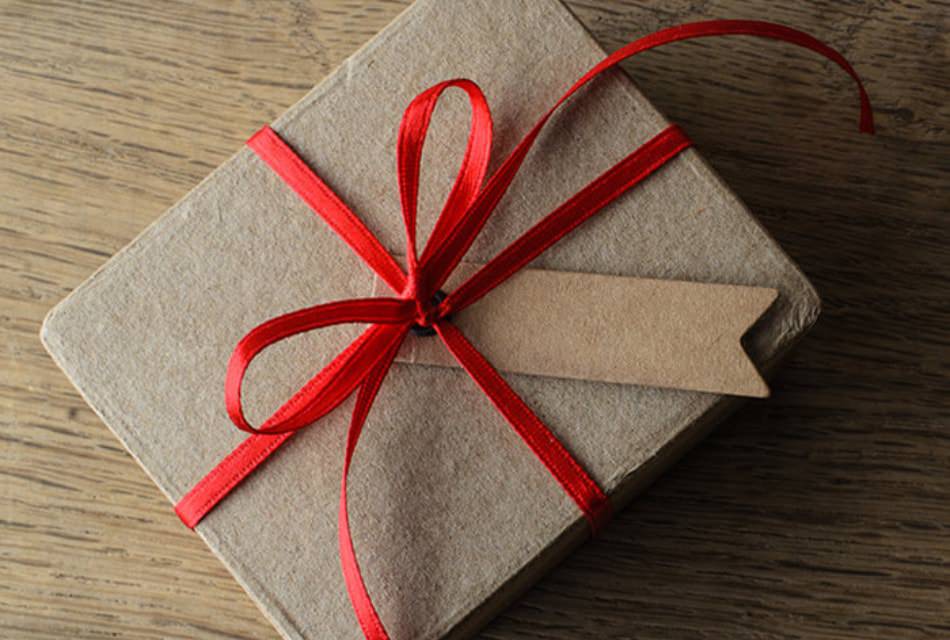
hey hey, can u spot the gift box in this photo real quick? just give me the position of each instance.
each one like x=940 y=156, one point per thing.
x=450 y=514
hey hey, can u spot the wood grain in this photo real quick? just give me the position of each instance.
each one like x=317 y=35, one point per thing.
x=823 y=512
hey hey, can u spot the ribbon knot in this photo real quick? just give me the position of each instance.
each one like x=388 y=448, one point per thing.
x=427 y=314
x=419 y=304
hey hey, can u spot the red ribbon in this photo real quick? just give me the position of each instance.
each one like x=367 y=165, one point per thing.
x=363 y=365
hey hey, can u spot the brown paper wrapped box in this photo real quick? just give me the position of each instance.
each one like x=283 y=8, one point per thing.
x=452 y=516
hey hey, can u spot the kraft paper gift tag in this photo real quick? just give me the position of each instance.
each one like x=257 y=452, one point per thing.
x=585 y=326
x=451 y=515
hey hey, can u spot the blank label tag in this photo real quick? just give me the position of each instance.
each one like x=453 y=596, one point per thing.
x=660 y=333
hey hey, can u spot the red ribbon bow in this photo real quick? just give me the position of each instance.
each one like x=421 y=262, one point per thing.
x=418 y=301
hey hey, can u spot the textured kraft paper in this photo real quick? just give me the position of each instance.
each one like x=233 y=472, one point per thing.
x=659 y=333
x=451 y=515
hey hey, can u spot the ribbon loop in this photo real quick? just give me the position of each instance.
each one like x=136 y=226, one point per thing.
x=412 y=135
x=333 y=384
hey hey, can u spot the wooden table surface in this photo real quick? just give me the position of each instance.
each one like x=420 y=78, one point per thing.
x=823 y=512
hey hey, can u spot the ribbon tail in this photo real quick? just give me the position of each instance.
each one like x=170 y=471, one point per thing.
x=583 y=205
x=366 y=613
x=582 y=489
x=455 y=244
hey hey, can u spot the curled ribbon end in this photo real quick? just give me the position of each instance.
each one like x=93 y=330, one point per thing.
x=867 y=115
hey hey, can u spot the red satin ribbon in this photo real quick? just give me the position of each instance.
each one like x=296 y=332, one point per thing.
x=363 y=365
